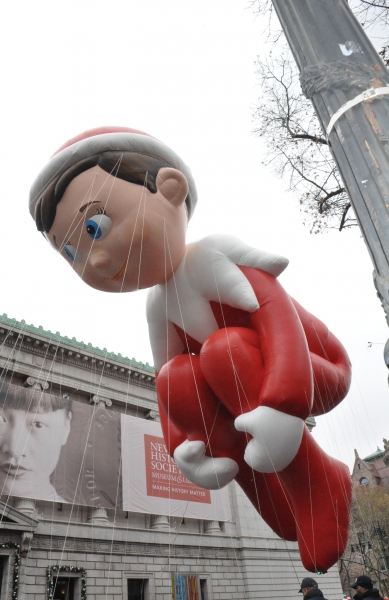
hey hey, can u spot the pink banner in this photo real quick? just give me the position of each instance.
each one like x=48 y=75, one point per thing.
x=163 y=477
x=152 y=482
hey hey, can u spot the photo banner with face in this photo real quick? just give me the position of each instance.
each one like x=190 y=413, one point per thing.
x=57 y=450
x=152 y=482
x=88 y=472
x=60 y=450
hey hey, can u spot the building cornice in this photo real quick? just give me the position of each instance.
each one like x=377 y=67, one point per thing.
x=47 y=346
x=56 y=338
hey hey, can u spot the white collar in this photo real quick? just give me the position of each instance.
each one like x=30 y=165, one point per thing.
x=208 y=272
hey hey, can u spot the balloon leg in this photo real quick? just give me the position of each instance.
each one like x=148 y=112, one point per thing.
x=192 y=407
x=232 y=364
x=319 y=488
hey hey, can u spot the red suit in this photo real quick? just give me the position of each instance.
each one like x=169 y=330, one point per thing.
x=272 y=368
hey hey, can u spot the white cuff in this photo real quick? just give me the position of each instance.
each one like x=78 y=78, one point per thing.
x=204 y=471
x=276 y=438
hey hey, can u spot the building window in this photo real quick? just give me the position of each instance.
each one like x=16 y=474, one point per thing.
x=363 y=481
x=359 y=466
x=137 y=589
x=10 y=576
x=63 y=588
x=203 y=589
x=66 y=583
x=3 y=576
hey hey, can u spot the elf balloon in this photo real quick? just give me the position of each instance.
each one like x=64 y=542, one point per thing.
x=240 y=364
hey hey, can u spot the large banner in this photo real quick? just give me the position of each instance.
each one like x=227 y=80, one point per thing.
x=152 y=482
x=59 y=450
x=185 y=587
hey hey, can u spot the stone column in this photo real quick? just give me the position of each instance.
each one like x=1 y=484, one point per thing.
x=153 y=415
x=36 y=384
x=25 y=506
x=310 y=423
x=212 y=527
x=159 y=523
x=98 y=516
x=101 y=401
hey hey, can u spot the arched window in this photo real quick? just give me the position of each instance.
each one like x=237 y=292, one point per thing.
x=363 y=481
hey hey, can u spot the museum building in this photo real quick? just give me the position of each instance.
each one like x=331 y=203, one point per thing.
x=100 y=545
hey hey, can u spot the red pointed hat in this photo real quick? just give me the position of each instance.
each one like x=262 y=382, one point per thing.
x=108 y=139
x=98 y=131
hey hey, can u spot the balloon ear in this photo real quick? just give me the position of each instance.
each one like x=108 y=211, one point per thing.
x=172 y=184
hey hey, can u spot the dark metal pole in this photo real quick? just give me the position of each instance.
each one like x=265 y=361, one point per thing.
x=337 y=63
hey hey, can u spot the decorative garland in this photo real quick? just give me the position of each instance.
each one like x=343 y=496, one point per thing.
x=15 y=575
x=56 y=570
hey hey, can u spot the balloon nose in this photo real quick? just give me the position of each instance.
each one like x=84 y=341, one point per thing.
x=99 y=260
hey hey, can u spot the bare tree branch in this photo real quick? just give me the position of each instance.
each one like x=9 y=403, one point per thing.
x=367 y=545
x=284 y=119
x=374 y=4
x=343 y=219
x=296 y=149
x=313 y=138
x=330 y=195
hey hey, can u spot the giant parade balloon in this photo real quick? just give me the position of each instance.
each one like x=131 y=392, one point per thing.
x=240 y=364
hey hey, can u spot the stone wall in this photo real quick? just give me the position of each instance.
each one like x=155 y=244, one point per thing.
x=242 y=559
x=230 y=572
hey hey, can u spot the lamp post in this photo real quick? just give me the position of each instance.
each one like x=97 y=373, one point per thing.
x=345 y=79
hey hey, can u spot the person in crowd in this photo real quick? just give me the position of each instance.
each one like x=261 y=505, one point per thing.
x=310 y=590
x=33 y=428
x=365 y=588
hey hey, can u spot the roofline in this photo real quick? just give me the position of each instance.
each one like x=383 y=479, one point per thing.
x=374 y=456
x=23 y=328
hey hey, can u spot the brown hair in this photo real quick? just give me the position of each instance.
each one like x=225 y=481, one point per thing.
x=134 y=167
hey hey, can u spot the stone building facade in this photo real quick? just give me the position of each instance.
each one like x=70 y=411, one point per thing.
x=372 y=470
x=55 y=550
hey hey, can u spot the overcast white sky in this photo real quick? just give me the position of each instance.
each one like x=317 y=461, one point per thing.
x=183 y=71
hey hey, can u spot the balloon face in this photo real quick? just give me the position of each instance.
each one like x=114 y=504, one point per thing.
x=118 y=236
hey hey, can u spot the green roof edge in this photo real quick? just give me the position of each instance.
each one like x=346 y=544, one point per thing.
x=377 y=454
x=73 y=342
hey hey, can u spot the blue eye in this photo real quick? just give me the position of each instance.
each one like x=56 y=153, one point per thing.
x=72 y=253
x=98 y=226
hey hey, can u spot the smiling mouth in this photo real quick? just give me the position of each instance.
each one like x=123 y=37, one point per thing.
x=120 y=274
